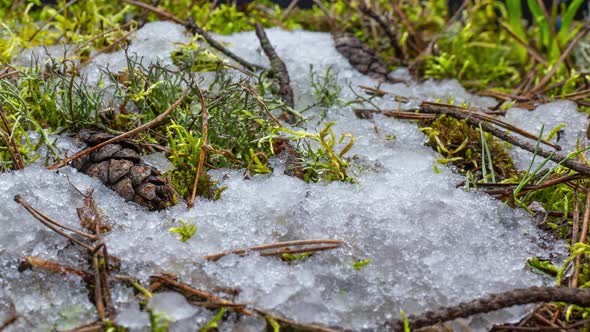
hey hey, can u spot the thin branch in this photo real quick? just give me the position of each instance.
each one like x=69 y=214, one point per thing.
x=279 y=70
x=28 y=262
x=195 y=29
x=326 y=245
x=203 y=152
x=11 y=319
x=583 y=235
x=494 y=302
x=130 y=133
x=157 y=281
x=477 y=118
x=387 y=27
x=15 y=155
x=49 y=223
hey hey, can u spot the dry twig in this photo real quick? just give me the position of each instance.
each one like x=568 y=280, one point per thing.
x=279 y=70
x=130 y=133
x=285 y=248
x=203 y=152
x=494 y=302
x=194 y=28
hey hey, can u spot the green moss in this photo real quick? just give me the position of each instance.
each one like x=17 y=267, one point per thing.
x=460 y=144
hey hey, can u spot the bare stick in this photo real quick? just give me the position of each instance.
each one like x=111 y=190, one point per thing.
x=583 y=235
x=48 y=223
x=35 y=262
x=294 y=325
x=45 y=219
x=386 y=26
x=494 y=302
x=476 y=120
x=12 y=317
x=327 y=244
x=15 y=155
x=203 y=152
x=156 y=281
x=194 y=28
x=130 y=133
x=279 y=70
x=575 y=226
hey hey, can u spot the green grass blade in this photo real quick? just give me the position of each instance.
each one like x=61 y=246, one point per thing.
x=541 y=21
x=515 y=17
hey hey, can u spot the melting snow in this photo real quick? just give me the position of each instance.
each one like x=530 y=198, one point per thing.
x=430 y=243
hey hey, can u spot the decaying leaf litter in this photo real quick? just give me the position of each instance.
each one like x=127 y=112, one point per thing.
x=309 y=289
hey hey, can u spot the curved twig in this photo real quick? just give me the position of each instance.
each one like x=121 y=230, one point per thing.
x=279 y=70
x=494 y=302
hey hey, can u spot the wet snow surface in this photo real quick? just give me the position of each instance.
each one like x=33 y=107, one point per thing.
x=430 y=243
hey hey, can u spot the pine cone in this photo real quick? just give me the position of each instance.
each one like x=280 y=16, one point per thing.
x=119 y=167
x=360 y=56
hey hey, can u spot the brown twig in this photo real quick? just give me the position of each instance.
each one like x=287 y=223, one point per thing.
x=494 y=302
x=52 y=224
x=325 y=245
x=170 y=281
x=130 y=133
x=11 y=319
x=541 y=328
x=203 y=151
x=28 y=262
x=278 y=70
x=498 y=188
x=294 y=325
x=387 y=27
x=583 y=235
x=8 y=74
x=478 y=118
x=194 y=28
x=15 y=155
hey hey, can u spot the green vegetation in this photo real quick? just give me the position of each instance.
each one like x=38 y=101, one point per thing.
x=488 y=47
x=186 y=231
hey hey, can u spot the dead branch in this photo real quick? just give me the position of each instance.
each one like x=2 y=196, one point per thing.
x=11 y=319
x=29 y=262
x=214 y=301
x=195 y=29
x=170 y=281
x=494 y=302
x=387 y=27
x=475 y=118
x=325 y=245
x=552 y=155
x=15 y=155
x=278 y=70
x=53 y=225
x=130 y=133
x=294 y=325
x=203 y=152
x=583 y=235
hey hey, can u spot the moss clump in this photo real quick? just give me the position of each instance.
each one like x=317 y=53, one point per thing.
x=461 y=145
